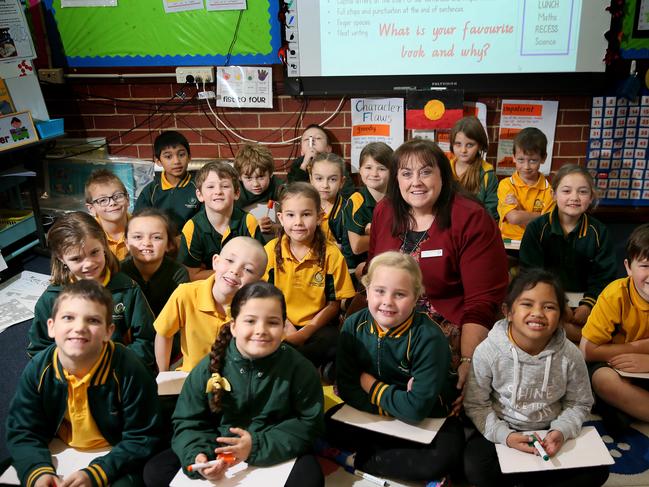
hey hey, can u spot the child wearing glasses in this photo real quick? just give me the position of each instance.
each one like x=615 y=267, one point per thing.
x=107 y=200
x=526 y=194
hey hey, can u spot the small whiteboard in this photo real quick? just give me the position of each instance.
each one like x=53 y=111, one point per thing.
x=423 y=432
x=587 y=450
x=242 y=475
x=170 y=383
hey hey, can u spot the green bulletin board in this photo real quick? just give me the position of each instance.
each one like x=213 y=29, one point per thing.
x=140 y=33
x=635 y=30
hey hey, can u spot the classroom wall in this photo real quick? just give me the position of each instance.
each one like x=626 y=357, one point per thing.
x=88 y=113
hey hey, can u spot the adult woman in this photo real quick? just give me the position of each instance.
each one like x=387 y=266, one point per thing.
x=456 y=242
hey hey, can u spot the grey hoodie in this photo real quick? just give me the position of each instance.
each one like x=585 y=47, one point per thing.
x=509 y=390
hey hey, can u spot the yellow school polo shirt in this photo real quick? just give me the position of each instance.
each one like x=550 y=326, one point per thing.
x=536 y=198
x=307 y=287
x=620 y=315
x=117 y=247
x=192 y=310
x=78 y=428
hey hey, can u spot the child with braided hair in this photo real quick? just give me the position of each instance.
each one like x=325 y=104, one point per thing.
x=260 y=398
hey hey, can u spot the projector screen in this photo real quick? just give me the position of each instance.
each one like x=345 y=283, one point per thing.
x=350 y=38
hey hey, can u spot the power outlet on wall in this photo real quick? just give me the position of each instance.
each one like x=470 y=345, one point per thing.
x=54 y=75
x=199 y=74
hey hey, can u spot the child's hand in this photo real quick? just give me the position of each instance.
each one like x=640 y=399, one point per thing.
x=77 y=479
x=367 y=381
x=309 y=154
x=631 y=362
x=521 y=442
x=368 y=228
x=240 y=445
x=289 y=328
x=265 y=224
x=510 y=199
x=580 y=315
x=47 y=480
x=410 y=383
x=213 y=472
x=552 y=442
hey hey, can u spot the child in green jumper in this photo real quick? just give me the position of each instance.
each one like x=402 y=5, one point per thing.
x=254 y=397
x=394 y=361
x=88 y=391
x=80 y=251
x=172 y=190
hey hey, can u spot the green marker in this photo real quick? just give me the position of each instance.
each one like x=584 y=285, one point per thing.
x=536 y=443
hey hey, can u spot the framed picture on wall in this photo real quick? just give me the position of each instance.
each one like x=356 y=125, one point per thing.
x=641 y=19
x=635 y=30
x=16 y=129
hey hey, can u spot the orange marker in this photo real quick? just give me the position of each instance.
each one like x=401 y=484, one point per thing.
x=269 y=206
x=227 y=457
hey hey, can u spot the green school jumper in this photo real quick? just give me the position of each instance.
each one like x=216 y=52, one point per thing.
x=132 y=317
x=277 y=399
x=122 y=397
x=358 y=213
x=199 y=240
x=163 y=282
x=584 y=259
x=416 y=349
x=179 y=202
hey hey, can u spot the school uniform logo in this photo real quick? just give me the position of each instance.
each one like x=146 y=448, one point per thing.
x=118 y=312
x=192 y=203
x=318 y=280
x=538 y=206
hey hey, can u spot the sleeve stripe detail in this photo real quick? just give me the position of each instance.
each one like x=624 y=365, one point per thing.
x=38 y=473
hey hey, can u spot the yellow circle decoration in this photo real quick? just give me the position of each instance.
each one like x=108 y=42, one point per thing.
x=434 y=110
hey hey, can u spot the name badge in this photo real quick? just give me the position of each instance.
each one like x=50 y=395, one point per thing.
x=432 y=253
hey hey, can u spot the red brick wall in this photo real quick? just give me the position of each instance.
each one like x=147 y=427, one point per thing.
x=88 y=113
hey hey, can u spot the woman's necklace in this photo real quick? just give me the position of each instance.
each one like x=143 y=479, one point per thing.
x=412 y=239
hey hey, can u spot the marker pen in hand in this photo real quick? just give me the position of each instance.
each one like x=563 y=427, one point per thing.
x=536 y=443
x=311 y=141
x=228 y=458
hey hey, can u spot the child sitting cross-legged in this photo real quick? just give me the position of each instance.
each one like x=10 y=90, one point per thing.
x=88 y=391
x=526 y=376
x=254 y=399
x=394 y=361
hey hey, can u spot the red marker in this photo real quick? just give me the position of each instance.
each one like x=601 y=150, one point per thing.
x=269 y=206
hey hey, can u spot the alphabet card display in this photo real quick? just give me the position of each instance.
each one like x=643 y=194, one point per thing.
x=617 y=150
x=16 y=129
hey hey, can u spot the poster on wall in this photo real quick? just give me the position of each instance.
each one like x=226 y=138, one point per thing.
x=618 y=142
x=15 y=39
x=16 y=129
x=226 y=4
x=88 y=3
x=515 y=115
x=375 y=120
x=244 y=87
x=172 y=6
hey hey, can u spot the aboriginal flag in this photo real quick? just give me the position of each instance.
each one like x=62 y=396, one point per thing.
x=434 y=109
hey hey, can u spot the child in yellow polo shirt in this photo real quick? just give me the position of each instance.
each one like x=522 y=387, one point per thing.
x=616 y=336
x=107 y=200
x=198 y=309
x=527 y=194
x=89 y=392
x=311 y=272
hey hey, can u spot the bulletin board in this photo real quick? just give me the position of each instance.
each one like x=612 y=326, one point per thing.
x=635 y=30
x=617 y=150
x=140 y=33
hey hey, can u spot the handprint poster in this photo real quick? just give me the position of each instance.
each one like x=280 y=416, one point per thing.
x=244 y=86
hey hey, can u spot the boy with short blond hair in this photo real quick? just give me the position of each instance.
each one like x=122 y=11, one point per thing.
x=88 y=391
x=255 y=165
x=107 y=200
x=616 y=336
x=198 y=309
x=172 y=190
x=526 y=194
x=217 y=186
